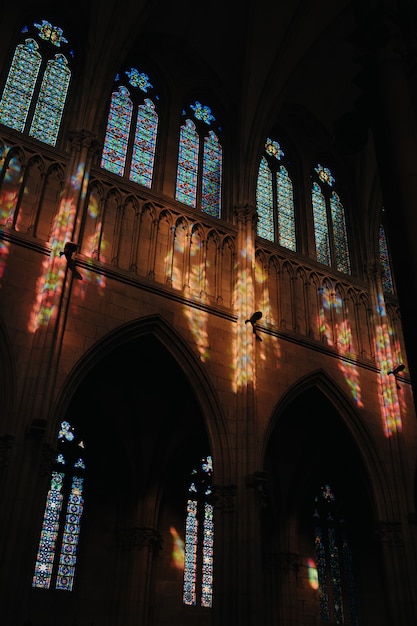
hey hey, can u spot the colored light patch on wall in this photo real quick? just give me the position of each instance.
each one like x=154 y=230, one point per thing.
x=177 y=553
x=388 y=391
x=334 y=327
x=313 y=578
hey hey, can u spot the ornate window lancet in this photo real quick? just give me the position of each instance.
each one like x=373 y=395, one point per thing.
x=35 y=93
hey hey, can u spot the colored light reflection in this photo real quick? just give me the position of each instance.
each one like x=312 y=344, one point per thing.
x=313 y=577
x=244 y=297
x=331 y=316
x=177 y=554
x=8 y=199
x=388 y=395
x=197 y=318
x=263 y=304
x=50 y=282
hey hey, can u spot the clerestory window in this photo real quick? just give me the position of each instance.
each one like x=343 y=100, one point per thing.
x=329 y=222
x=384 y=259
x=275 y=197
x=132 y=128
x=199 y=168
x=35 y=93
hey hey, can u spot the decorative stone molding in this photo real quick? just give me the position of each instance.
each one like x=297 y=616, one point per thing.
x=139 y=537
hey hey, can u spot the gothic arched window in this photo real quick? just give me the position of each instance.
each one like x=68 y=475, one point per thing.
x=132 y=128
x=334 y=561
x=36 y=88
x=384 y=259
x=199 y=170
x=199 y=538
x=275 y=198
x=57 y=551
x=329 y=222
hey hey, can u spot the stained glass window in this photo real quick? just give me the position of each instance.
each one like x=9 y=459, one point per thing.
x=384 y=259
x=329 y=222
x=132 y=128
x=334 y=561
x=199 y=169
x=57 y=551
x=199 y=538
x=275 y=198
x=37 y=84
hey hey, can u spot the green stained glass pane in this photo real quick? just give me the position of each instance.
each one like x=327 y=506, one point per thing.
x=186 y=186
x=339 y=234
x=321 y=230
x=264 y=202
x=117 y=133
x=212 y=176
x=285 y=202
x=20 y=84
x=143 y=156
x=51 y=101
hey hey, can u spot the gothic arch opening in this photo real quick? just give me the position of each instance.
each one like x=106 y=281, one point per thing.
x=143 y=431
x=311 y=454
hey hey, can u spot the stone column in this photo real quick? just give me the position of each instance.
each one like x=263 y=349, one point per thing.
x=138 y=547
x=249 y=602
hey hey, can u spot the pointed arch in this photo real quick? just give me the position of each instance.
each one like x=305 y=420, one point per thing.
x=159 y=329
x=321 y=382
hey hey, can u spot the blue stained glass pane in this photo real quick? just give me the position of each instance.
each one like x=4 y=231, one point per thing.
x=54 y=34
x=51 y=101
x=20 y=84
x=207 y=568
x=67 y=560
x=190 y=557
x=321 y=231
x=203 y=113
x=145 y=141
x=273 y=149
x=264 y=202
x=339 y=234
x=199 y=548
x=285 y=202
x=212 y=176
x=50 y=527
x=186 y=187
x=138 y=79
x=117 y=133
